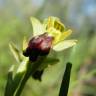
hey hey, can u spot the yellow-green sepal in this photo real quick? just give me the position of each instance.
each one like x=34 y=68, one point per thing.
x=25 y=43
x=38 y=28
x=15 y=51
x=64 y=45
x=65 y=34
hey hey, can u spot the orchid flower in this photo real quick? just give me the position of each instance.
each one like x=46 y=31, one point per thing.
x=50 y=34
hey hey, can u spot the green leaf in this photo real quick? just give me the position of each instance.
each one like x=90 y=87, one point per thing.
x=16 y=52
x=48 y=61
x=64 y=45
x=38 y=28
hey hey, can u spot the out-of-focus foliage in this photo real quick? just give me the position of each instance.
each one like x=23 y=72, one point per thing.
x=79 y=15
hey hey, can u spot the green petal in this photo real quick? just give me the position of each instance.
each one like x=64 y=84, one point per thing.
x=38 y=28
x=64 y=45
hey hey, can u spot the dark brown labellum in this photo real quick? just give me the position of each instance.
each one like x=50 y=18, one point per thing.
x=38 y=46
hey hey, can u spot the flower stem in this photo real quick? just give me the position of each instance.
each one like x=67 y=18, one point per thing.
x=19 y=90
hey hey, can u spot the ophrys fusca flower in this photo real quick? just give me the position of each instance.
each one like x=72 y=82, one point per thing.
x=50 y=34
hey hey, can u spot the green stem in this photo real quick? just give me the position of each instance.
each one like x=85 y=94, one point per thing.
x=30 y=70
x=8 y=87
x=19 y=90
x=14 y=81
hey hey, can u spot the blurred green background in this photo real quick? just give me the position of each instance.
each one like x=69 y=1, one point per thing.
x=80 y=16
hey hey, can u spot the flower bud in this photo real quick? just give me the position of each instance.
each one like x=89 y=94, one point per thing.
x=38 y=46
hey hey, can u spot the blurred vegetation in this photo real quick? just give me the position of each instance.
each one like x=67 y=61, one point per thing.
x=79 y=15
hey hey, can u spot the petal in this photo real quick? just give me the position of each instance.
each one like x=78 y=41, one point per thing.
x=64 y=45
x=16 y=53
x=25 y=43
x=55 y=23
x=49 y=22
x=38 y=28
x=59 y=26
x=54 y=33
x=65 y=34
